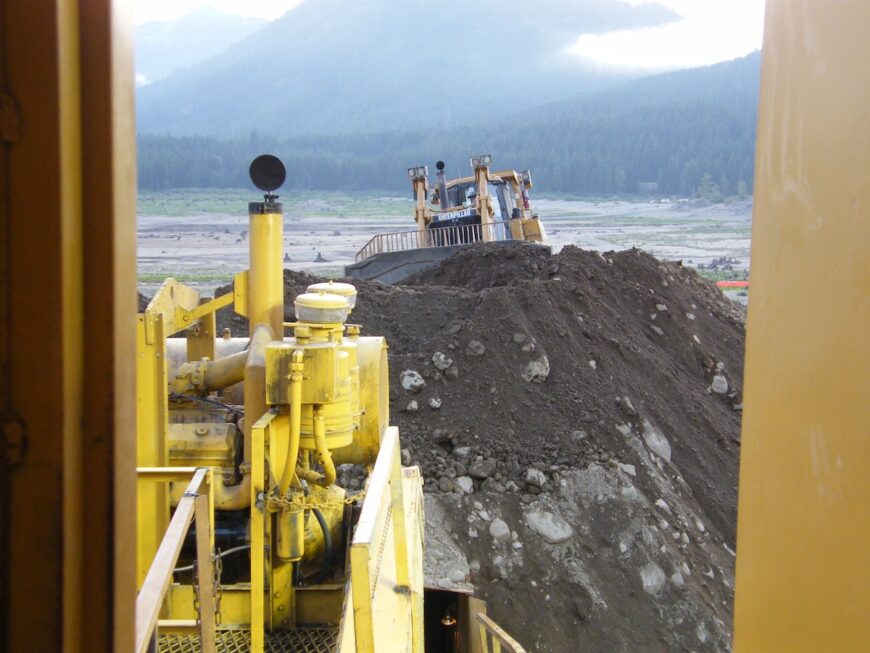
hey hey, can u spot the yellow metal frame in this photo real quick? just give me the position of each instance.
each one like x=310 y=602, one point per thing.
x=197 y=505
x=490 y=631
x=803 y=527
x=385 y=604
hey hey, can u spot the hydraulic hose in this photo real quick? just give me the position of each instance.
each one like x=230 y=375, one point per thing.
x=327 y=478
x=327 y=546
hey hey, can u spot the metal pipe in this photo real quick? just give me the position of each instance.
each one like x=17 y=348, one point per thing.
x=266 y=275
x=327 y=478
x=206 y=376
x=296 y=375
x=236 y=497
x=442 y=186
x=224 y=372
x=323 y=455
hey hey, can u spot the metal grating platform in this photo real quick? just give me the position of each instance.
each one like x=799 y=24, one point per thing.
x=303 y=640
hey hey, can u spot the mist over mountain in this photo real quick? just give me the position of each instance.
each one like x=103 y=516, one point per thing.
x=670 y=129
x=163 y=47
x=346 y=66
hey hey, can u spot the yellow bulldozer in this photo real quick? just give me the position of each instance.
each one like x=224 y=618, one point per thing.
x=240 y=437
x=485 y=207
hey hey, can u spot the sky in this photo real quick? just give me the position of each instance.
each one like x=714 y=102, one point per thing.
x=710 y=31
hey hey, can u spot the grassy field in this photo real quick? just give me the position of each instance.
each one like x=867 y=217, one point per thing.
x=199 y=202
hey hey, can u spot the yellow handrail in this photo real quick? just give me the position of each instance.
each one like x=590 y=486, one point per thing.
x=194 y=506
x=402 y=241
x=491 y=630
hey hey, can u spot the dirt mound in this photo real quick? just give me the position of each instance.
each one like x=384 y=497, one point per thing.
x=601 y=390
x=485 y=266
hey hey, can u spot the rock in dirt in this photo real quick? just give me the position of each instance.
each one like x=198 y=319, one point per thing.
x=657 y=443
x=475 y=348
x=627 y=407
x=578 y=436
x=549 y=526
x=412 y=406
x=537 y=371
x=499 y=530
x=482 y=468
x=440 y=361
x=465 y=484
x=719 y=384
x=653 y=578
x=434 y=403
x=535 y=478
x=441 y=436
x=412 y=381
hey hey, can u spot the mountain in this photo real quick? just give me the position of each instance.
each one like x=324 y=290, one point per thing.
x=163 y=47
x=670 y=129
x=331 y=66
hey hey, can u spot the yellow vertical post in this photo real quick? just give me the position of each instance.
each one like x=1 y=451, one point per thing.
x=361 y=589
x=400 y=541
x=803 y=577
x=201 y=339
x=266 y=277
x=484 y=201
x=397 y=513
x=151 y=427
x=258 y=531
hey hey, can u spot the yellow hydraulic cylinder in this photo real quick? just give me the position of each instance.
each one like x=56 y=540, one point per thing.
x=266 y=276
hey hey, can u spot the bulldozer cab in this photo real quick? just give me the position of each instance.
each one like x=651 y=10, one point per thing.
x=464 y=194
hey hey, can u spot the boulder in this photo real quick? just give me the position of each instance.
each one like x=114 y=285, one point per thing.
x=551 y=527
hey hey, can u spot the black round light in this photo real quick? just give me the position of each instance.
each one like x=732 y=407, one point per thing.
x=267 y=172
x=440 y=165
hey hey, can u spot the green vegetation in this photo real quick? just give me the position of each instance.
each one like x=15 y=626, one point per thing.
x=200 y=276
x=723 y=275
x=234 y=201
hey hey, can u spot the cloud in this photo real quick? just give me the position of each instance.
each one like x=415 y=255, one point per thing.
x=710 y=31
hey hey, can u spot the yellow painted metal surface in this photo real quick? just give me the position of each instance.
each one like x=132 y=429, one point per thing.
x=265 y=301
x=803 y=573
x=68 y=220
x=152 y=511
x=385 y=608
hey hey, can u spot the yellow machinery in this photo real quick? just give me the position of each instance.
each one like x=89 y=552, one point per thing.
x=280 y=557
x=487 y=207
x=495 y=205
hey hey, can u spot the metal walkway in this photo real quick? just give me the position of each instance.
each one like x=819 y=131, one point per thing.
x=303 y=640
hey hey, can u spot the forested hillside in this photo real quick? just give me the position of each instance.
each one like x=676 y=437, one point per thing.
x=670 y=129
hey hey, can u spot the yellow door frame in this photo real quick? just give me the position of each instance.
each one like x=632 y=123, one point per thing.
x=67 y=220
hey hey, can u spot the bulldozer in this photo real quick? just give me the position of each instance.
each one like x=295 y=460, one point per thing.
x=489 y=206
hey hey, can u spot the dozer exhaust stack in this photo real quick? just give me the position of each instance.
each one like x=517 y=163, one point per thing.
x=442 y=186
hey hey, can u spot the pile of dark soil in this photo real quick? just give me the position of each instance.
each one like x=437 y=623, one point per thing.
x=536 y=366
